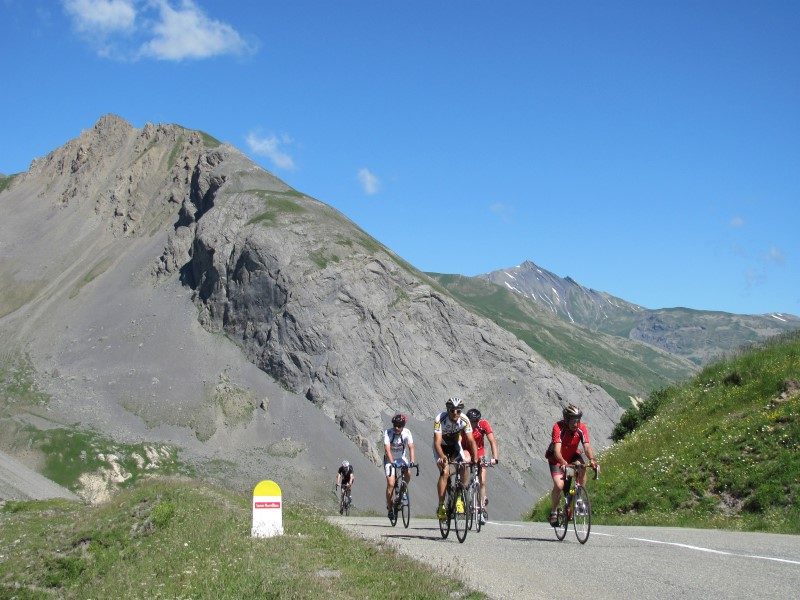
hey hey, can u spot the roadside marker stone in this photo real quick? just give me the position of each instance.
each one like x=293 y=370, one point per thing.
x=267 y=510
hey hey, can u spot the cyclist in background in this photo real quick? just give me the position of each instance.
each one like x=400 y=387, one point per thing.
x=447 y=429
x=480 y=429
x=347 y=477
x=398 y=445
x=568 y=435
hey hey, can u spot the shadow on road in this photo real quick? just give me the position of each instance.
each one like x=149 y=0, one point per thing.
x=407 y=536
x=528 y=539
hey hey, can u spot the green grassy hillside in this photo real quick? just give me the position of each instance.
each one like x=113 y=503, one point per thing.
x=178 y=539
x=722 y=450
x=621 y=366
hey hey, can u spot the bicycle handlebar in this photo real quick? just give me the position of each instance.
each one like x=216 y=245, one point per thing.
x=405 y=467
x=580 y=465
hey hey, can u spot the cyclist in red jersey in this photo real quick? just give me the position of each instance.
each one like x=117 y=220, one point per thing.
x=568 y=435
x=481 y=429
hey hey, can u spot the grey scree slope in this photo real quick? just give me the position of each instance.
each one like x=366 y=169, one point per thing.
x=164 y=283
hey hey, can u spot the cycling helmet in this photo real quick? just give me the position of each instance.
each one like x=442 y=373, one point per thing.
x=473 y=414
x=572 y=412
x=399 y=419
x=454 y=402
x=345 y=464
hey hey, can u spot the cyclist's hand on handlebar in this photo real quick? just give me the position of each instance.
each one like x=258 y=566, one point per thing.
x=494 y=461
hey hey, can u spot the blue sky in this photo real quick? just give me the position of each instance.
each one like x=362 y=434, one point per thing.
x=646 y=149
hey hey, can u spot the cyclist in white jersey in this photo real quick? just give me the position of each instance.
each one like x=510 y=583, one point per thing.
x=448 y=428
x=398 y=445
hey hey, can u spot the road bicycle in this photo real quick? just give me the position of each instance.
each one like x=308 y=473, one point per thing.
x=575 y=505
x=345 y=500
x=455 y=502
x=473 y=495
x=401 y=497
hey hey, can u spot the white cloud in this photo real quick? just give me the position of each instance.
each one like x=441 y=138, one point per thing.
x=502 y=210
x=270 y=147
x=775 y=255
x=101 y=15
x=187 y=32
x=162 y=29
x=737 y=222
x=369 y=182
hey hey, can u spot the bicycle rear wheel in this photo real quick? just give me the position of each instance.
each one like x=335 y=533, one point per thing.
x=460 y=516
x=469 y=508
x=477 y=508
x=444 y=524
x=582 y=515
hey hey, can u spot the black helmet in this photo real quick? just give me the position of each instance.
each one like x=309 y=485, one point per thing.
x=473 y=414
x=571 y=412
x=454 y=402
x=399 y=419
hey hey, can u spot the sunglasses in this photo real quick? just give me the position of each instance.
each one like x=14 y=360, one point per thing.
x=455 y=410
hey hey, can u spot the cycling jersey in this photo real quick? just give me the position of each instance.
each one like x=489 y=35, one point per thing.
x=398 y=444
x=451 y=430
x=478 y=433
x=570 y=442
x=346 y=473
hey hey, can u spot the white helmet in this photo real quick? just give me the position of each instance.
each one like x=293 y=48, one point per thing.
x=345 y=464
x=454 y=402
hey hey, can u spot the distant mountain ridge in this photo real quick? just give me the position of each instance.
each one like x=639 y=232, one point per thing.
x=698 y=335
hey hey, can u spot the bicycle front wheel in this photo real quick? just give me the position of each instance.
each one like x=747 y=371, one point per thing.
x=395 y=508
x=582 y=514
x=477 y=508
x=406 y=506
x=460 y=512
x=563 y=522
x=444 y=524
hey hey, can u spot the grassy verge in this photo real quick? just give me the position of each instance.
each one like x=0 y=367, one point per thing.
x=173 y=539
x=722 y=450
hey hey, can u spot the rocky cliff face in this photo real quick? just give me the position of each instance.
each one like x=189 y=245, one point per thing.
x=324 y=308
x=127 y=222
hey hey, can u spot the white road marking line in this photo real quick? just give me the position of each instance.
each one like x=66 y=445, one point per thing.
x=712 y=551
x=679 y=545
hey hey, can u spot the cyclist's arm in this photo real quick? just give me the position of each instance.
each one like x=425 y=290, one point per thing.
x=437 y=446
x=352 y=480
x=338 y=478
x=557 y=453
x=412 y=453
x=473 y=448
x=493 y=446
x=388 y=450
x=590 y=455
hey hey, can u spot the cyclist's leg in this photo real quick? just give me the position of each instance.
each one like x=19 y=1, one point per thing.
x=441 y=485
x=463 y=470
x=389 y=472
x=558 y=484
x=482 y=480
x=580 y=472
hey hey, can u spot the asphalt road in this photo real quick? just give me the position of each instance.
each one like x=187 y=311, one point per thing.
x=524 y=560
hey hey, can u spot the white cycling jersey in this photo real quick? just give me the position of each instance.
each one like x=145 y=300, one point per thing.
x=398 y=444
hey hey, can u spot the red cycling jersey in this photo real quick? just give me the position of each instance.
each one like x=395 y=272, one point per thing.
x=570 y=441
x=478 y=432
